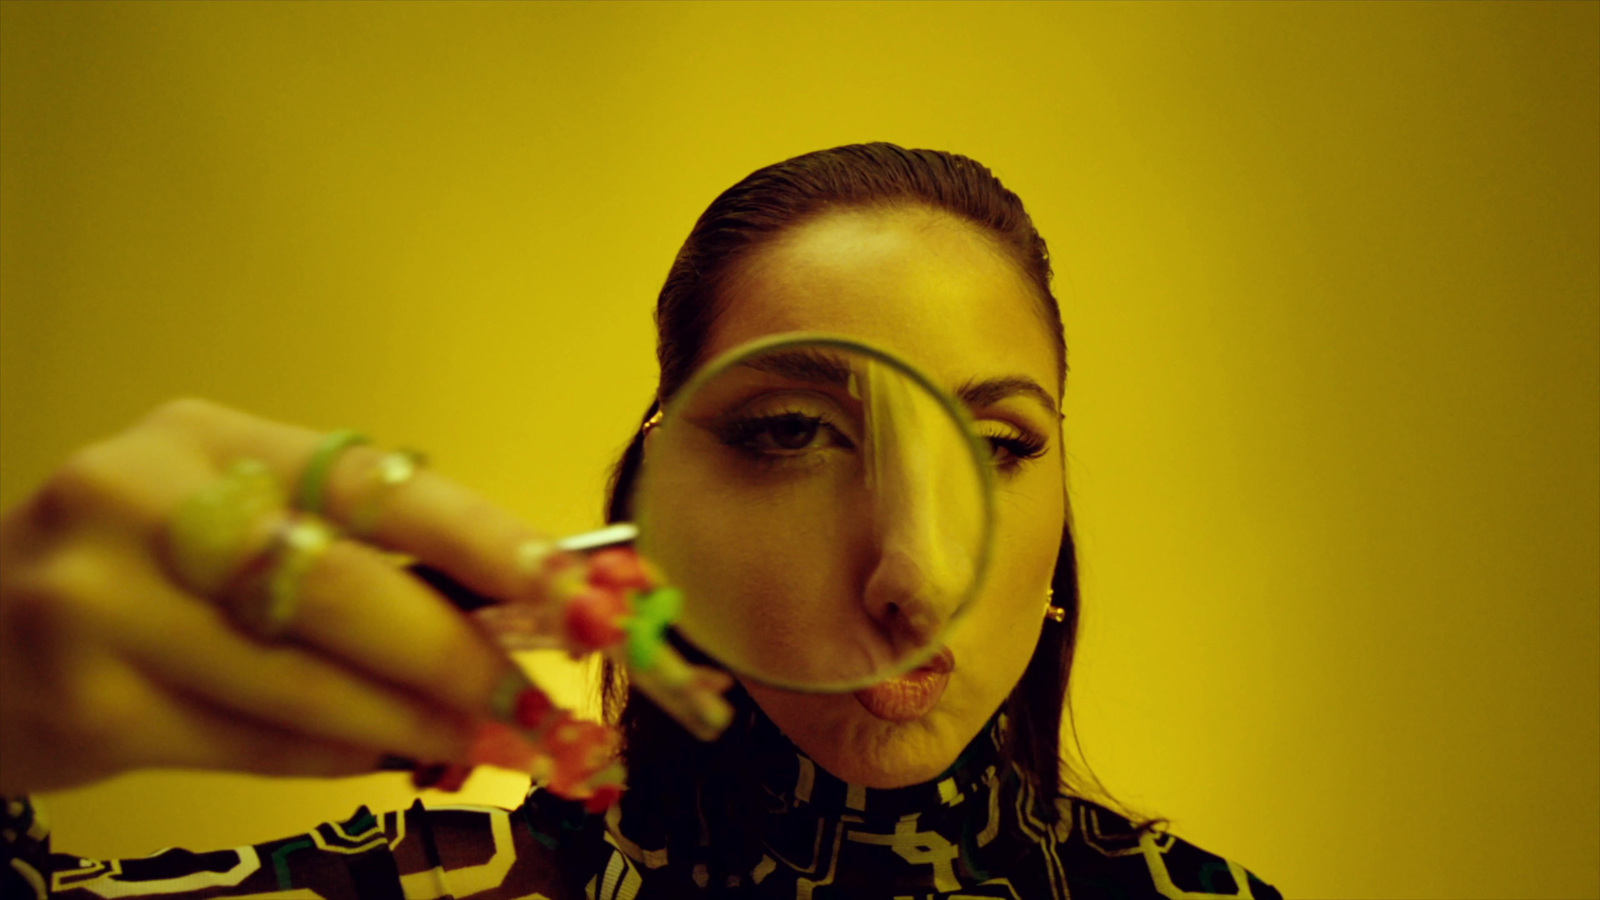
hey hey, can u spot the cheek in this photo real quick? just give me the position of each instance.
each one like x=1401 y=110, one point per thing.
x=997 y=639
x=1028 y=531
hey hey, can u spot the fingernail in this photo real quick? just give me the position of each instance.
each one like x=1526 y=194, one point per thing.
x=441 y=776
x=504 y=747
x=533 y=709
x=605 y=797
x=392 y=763
x=454 y=778
x=542 y=557
x=519 y=703
x=593 y=616
x=429 y=775
x=567 y=583
x=531 y=555
x=621 y=569
x=503 y=702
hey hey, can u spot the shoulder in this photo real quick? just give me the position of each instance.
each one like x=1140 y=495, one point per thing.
x=1104 y=855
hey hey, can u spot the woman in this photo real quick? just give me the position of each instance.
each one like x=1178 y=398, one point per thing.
x=805 y=795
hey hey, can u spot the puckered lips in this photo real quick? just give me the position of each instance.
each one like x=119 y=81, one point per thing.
x=913 y=695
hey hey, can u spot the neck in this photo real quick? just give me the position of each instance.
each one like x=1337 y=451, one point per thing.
x=753 y=802
x=795 y=781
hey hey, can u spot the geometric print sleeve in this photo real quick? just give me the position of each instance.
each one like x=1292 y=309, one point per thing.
x=423 y=853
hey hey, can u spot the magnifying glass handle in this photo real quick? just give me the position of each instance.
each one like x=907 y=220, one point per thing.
x=691 y=694
x=468 y=600
x=620 y=608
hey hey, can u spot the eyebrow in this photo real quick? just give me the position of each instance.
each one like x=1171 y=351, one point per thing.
x=978 y=394
x=826 y=368
x=803 y=365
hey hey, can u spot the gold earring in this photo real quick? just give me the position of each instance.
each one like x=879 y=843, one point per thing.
x=1051 y=611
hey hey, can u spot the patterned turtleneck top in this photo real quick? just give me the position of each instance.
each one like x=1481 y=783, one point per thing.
x=974 y=832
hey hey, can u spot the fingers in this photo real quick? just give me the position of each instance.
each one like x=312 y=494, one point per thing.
x=188 y=648
x=116 y=720
x=356 y=607
x=429 y=517
x=452 y=528
x=129 y=659
x=192 y=734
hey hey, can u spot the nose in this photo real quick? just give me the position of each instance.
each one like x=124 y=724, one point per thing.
x=904 y=602
x=922 y=567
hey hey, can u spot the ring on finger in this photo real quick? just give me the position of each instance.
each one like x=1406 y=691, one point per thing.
x=389 y=472
x=215 y=531
x=263 y=597
x=312 y=493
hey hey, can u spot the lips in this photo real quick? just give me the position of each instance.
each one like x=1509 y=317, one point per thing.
x=913 y=695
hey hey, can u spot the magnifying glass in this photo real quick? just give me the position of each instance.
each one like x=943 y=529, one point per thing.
x=823 y=511
x=826 y=509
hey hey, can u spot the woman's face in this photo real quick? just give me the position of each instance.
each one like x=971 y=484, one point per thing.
x=935 y=291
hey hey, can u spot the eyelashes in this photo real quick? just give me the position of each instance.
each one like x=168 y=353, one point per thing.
x=785 y=436
x=1011 y=449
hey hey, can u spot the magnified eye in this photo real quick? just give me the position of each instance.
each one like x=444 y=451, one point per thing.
x=793 y=431
x=782 y=434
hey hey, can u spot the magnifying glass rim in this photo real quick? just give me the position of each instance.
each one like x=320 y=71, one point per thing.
x=975 y=445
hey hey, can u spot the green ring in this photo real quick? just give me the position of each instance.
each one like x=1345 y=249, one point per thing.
x=312 y=490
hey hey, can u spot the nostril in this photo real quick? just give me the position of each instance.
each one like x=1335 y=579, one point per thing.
x=903 y=604
x=916 y=627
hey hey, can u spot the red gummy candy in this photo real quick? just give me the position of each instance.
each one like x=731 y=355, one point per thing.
x=620 y=569
x=578 y=749
x=532 y=706
x=556 y=724
x=503 y=746
x=592 y=618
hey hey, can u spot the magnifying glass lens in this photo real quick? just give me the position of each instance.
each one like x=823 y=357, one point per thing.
x=824 y=509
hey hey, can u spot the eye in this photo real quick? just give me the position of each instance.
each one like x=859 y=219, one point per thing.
x=782 y=434
x=1010 y=446
x=791 y=431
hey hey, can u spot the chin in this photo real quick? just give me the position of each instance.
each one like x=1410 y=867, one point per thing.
x=856 y=746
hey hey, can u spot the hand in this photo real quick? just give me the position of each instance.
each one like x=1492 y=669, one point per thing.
x=109 y=663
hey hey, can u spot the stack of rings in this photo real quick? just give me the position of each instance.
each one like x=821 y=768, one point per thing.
x=235 y=543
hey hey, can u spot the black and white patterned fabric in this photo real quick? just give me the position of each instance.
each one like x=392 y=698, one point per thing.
x=973 y=833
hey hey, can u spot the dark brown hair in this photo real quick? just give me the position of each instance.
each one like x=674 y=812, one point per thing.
x=662 y=759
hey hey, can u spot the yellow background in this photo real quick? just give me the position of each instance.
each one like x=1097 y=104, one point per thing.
x=1331 y=290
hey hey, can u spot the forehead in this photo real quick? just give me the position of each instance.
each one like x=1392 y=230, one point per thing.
x=914 y=281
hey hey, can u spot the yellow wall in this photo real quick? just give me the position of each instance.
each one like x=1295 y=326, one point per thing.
x=1331 y=289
